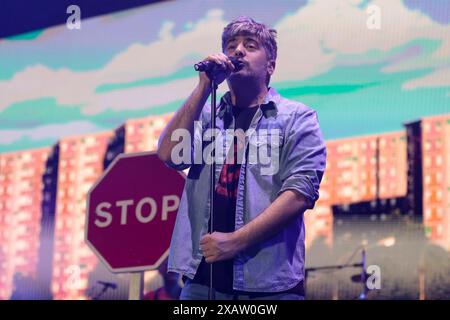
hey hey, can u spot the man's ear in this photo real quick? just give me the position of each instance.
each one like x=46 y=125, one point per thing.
x=271 y=66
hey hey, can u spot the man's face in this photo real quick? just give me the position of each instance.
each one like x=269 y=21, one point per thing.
x=248 y=50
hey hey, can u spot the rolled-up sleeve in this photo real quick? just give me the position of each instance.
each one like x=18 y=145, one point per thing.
x=303 y=157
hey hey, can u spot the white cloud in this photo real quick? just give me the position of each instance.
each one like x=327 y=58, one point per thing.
x=140 y=97
x=166 y=55
x=48 y=131
x=39 y=81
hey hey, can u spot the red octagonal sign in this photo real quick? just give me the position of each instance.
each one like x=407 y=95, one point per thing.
x=131 y=212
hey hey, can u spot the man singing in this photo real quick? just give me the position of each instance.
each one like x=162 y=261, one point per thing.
x=257 y=246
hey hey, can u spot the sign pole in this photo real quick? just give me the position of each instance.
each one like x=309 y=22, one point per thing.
x=136 y=286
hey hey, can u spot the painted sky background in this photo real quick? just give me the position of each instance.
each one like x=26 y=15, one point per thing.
x=58 y=82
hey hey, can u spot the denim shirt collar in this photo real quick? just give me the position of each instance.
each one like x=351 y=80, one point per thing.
x=268 y=107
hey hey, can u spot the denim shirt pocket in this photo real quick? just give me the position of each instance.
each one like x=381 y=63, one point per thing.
x=264 y=151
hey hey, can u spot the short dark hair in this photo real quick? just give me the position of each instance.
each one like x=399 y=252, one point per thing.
x=247 y=26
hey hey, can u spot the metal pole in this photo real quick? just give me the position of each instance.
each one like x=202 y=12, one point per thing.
x=363 y=275
x=212 y=292
x=136 y=285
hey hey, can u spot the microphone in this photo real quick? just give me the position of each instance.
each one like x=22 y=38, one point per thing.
x=108 y=284
x=211 y=66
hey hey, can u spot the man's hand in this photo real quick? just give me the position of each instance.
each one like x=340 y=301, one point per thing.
x=219 y=246
x=222 y=60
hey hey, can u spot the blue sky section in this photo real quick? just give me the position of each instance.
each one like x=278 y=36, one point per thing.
x=438 y=10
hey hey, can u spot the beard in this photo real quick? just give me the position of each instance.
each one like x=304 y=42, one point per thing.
x=245 y=78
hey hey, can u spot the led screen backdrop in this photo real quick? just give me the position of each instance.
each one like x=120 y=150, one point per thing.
x=377 y=73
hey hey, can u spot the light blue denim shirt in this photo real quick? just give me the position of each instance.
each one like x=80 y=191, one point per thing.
x=276 y=264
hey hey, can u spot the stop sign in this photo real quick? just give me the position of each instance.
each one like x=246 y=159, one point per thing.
x=131 y=212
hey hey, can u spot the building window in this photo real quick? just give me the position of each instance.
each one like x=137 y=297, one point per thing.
x=89 y=171
x=26 y=157
x=55 y=287
x=86 y=187
x=57 y=272
x=91 y=157
x=27 y=173
x=439 y=230
x=372 y=189
x=90 y=141
x=347 y=191
x=130 y=129
x=427 y=213
x=159 y=123
x=392 y=172
x=20 y=245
